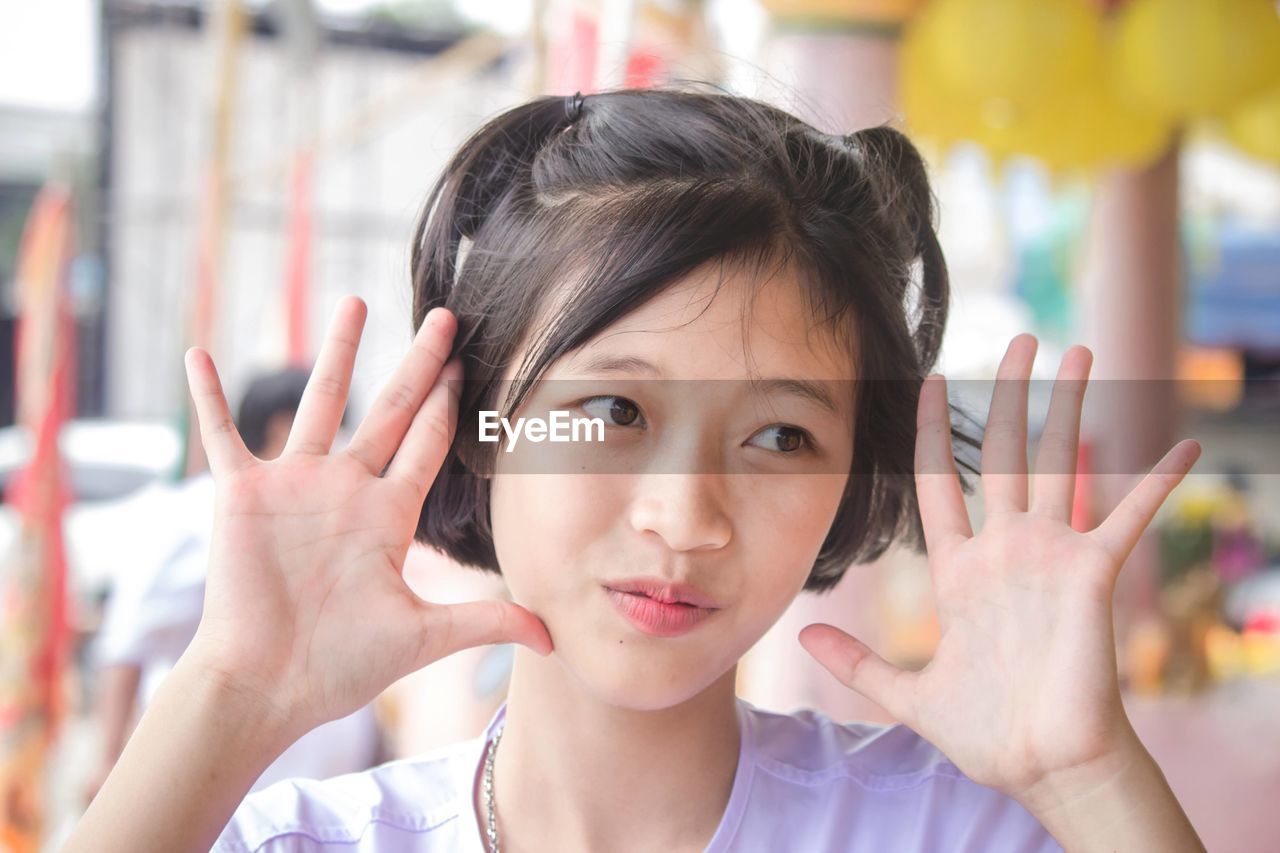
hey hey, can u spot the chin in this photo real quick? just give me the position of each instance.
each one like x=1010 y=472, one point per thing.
x=643 y=679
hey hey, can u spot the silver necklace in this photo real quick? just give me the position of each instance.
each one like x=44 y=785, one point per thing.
x=488 y=791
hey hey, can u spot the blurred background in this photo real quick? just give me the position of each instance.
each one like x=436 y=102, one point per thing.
x=219 y=173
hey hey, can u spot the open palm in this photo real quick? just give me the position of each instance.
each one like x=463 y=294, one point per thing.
x=1023 y=683
x=305 y=602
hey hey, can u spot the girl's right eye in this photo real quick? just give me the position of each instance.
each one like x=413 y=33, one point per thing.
x=613 y=410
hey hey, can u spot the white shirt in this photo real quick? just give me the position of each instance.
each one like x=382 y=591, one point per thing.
x=803 y=783
x=158 y=596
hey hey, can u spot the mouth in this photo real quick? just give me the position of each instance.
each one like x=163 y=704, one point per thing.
x=659 y=600
x=677 y=594
x=655 y=617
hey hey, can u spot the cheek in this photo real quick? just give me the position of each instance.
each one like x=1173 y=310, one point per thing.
x=788 y=520
x=546 y=525
x=800 y=507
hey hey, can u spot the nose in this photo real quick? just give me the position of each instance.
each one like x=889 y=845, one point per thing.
x=686 y=510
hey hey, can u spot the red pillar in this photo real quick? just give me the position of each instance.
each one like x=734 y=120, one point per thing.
x=1131 y=290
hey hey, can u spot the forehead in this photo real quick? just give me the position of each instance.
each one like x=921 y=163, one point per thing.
x=722 y=323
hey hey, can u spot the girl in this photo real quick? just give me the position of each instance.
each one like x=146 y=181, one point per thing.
x=592 y=256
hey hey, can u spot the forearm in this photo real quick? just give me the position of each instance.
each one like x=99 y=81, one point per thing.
x=1124 y=804
x=196 y=751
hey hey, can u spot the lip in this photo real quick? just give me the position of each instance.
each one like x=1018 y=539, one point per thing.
x=664 y=592
x=657 y=618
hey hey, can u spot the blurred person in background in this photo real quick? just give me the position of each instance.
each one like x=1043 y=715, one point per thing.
x=155 y=607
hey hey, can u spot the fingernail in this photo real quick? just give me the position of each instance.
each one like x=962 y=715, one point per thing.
x=436 y=316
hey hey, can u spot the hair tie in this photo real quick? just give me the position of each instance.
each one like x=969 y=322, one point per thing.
x=573 y=106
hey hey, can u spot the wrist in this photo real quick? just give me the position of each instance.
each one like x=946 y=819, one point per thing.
x=1063 y=789
x=239 y=702
x=1118 y=801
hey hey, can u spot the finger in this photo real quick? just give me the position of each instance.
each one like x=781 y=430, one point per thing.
x=1004 y=441
x=430 y=434
x=453 y=627
x=1054 y=484
x=942 y=509
x=384 y=427
x=222 y=442
x=856 y=666
x=325 y=397
x=1122 y=529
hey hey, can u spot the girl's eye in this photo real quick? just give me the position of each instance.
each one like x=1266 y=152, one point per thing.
x=614 y=411
x=785 y=439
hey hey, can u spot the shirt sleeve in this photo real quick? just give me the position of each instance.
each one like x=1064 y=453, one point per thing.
x=158 y=595
x=277 y=818
x=146 y=606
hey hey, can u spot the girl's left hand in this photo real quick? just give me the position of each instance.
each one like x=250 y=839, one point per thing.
x=1022 y=690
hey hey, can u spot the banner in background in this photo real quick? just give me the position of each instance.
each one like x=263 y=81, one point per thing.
x=33 y=571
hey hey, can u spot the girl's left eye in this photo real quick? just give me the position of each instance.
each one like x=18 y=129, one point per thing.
x=785 y=439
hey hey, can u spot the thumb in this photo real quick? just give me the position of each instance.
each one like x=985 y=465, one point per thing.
x=855 y=666
x=453 y=627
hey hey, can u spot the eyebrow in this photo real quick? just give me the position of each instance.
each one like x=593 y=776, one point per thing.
x=619 y=364
x=802 y=388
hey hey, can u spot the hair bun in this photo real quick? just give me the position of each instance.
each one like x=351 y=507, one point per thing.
x=573 y=106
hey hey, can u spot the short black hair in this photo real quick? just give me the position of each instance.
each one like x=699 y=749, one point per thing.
x=642 y=187
x=268 y=395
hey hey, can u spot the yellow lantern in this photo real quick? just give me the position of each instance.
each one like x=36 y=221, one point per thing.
x=1083 y=127
x=932 y=107
x=1079 y=125
x=1016 y=51
x=1255 y=126
x=1188 y=58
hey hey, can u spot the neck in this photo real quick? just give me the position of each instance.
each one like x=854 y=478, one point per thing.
x=575 y=773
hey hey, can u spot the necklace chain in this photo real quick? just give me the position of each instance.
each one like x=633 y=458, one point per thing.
x=492 y=830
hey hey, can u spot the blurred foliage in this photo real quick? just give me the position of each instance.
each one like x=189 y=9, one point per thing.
x=1184 y=544
x=419 y=15
x=15 y=202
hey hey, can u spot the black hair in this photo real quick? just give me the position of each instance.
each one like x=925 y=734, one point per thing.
x=643 y=188
x=268 y=395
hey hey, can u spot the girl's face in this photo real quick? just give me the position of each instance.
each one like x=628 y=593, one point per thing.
x=729 y=486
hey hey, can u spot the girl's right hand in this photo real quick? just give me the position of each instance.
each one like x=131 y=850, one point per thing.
x=305 y=605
